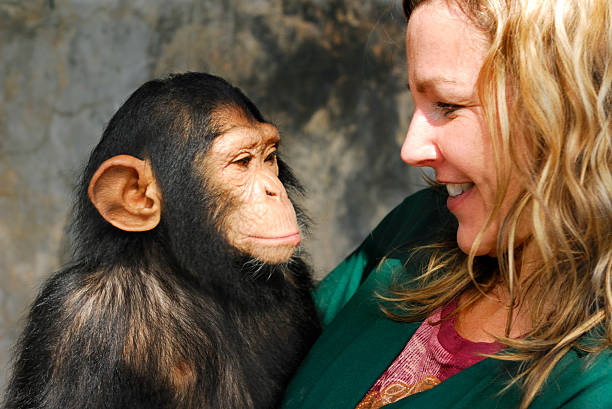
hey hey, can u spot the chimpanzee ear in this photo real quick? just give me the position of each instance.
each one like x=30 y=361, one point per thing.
x=125 y=192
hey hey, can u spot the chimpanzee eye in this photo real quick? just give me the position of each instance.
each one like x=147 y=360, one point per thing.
x=271 y=157
x=243 y=161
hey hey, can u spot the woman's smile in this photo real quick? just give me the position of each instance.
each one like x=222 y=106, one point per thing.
x=448 y=132
x=458 y=194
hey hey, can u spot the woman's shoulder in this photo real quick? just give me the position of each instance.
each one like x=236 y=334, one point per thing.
x=411 y=222
x=579 y=380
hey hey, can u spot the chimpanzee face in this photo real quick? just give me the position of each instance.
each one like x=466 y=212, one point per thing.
x=242 y=165
x=249 y=205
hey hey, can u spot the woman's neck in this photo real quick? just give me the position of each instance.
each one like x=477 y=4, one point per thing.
x=488 y=316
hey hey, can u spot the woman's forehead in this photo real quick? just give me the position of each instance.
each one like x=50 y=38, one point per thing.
x=443 y=46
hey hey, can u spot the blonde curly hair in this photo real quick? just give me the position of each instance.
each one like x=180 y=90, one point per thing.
x=545 y=89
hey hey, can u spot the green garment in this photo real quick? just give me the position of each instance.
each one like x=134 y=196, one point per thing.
x=359 y=343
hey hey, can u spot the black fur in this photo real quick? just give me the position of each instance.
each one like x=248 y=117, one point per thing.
x=173 y=317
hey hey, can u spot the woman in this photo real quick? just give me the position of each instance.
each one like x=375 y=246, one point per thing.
x=512 y=111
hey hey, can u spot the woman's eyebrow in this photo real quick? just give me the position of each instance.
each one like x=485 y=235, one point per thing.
x=432 y=82
x=452 y=93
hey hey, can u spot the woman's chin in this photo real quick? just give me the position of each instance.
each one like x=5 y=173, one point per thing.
x=466 y=241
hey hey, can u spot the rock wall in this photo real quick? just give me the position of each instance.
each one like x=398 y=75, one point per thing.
x=329 y=73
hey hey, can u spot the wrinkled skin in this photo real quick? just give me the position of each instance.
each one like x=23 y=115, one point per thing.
x=242 y=164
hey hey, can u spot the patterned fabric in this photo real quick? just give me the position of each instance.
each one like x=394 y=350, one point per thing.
x=433 y=354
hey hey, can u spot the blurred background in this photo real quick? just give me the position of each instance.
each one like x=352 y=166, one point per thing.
x=329 y=73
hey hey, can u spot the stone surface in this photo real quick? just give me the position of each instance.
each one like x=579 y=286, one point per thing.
x=329 y=73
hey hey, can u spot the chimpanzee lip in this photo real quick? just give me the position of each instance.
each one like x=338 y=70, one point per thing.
x=284 y=239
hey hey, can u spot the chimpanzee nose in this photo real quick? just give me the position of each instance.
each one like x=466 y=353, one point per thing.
x=270 y=184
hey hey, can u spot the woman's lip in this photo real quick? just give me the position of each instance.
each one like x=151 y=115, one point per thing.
x=444 y=182
x=452 y=202
x=286 y=239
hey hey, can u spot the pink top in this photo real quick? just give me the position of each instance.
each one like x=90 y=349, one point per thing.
x=433 y=354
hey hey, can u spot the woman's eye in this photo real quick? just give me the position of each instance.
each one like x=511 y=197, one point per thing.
x=446 y=109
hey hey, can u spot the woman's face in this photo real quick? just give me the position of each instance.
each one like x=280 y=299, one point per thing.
x=445 y=52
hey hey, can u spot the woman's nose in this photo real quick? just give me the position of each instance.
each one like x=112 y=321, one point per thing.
x=419 y=148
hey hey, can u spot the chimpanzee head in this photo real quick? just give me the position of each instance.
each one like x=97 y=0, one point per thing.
x=189 y=162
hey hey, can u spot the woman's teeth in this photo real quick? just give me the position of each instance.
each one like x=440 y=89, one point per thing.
x=455 y=189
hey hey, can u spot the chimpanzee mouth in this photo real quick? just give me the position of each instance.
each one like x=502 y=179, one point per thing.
x=282 y=240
